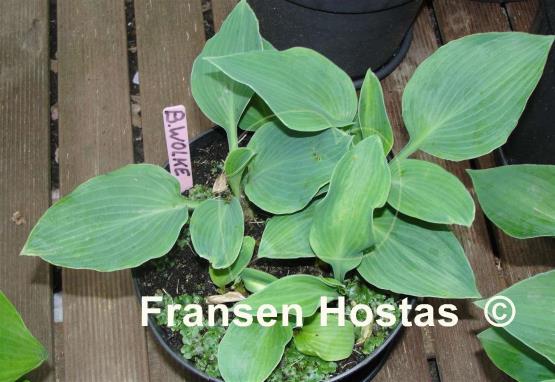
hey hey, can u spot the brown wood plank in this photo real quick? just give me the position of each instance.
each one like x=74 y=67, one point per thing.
x=220 y=10
x=521 y=259
x=407 y=361
x=170 y=34
x=25 y=163
x=163 y=367
x=103 y=337
x=457 y=350
x=522 y=14
x=459 y=18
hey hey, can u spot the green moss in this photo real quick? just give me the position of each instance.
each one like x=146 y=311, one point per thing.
x=216 y=167
x=200 y=192
x=199 y=344
x=359 y=292
x=163 y=263
x=295 y=366
x=184 y=240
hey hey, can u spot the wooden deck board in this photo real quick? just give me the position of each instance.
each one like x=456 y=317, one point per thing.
x=407 y=361
x=170 y=35
x=220 y=10
x=25 y=163
x=103 y=337
x=522 y=14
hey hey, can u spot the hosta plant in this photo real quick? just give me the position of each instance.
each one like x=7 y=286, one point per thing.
x=520 y=200
x=525 y=348
x=316 y=161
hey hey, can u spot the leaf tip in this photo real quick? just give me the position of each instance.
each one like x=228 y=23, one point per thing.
x=469 y=219
x=44 y=355
x=476 y=294
x=480 y=303
x=25 y=252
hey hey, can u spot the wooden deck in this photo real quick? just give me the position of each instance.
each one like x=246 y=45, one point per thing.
x=88 y=123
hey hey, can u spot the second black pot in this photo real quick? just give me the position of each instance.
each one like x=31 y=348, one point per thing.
x=533 y=140
x=355 y=34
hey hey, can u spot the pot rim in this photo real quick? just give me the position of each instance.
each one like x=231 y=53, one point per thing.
x=349 y=6
x=156 y=330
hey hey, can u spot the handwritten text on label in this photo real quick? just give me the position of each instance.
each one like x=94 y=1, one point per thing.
x=177 y=142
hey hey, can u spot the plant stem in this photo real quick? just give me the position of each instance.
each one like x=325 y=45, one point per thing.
x=408 y=150
x=232 y=140
x=190 y=203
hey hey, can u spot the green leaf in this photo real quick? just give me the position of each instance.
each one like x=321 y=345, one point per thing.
x=332 y=282
x=256 y=114
x=218 y=96
x=304 y=89
x=20 y=352
x=290 y=167
x=234 y=166
x=287 y=236
x=514 y=358
x=331 y=343
x=428 y=192
x=217 y=231
x=114 y=221
x=519 y=199
x=372 y=116
x=255 y=280
x=342 y=227
x=304 y=290
x=251 y=353
x=534 y=303
x=467 y=97
x=267 y=45
x=222 y=277
x=356 y=132
x=418 y=259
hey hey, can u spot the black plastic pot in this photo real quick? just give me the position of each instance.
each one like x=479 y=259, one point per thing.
x=533 y=140
x=362 y=372
x=355 y=34
x=497 y=1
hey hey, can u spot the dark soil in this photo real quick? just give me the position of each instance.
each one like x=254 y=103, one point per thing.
x=182 y=271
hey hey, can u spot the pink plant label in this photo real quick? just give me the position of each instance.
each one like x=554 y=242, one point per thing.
x=177 y=142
